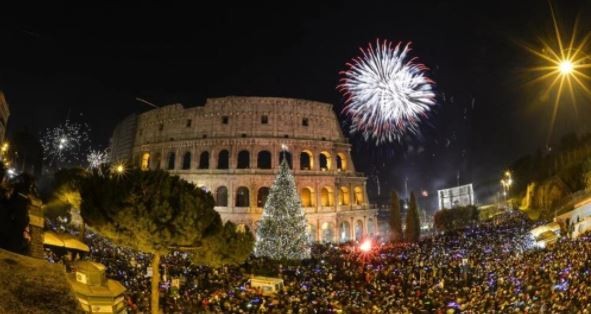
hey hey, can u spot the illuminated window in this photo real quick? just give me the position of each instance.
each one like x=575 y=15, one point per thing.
x=145 y=165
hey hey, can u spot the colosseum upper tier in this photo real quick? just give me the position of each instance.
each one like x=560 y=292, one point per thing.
x=232 y=147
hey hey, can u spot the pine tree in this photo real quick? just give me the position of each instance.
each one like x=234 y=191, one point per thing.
x=281 y=234
x=153 y=212
x=395 y=221
x=413 y=225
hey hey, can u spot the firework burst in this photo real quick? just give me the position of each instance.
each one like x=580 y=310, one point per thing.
x=65 y=144
x=387 y=94
x=97 y=158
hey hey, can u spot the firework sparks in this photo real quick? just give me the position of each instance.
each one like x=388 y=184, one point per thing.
x=65 y=144
x=96 y=158
x=387 y=94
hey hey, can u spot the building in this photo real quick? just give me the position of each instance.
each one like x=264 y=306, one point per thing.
x=457 y=196
x=4 y=113
x=232 y=147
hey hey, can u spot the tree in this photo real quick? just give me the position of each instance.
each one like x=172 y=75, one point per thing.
x=395 y=221
x=413 y=225
x=281 y=234
x=153 y=212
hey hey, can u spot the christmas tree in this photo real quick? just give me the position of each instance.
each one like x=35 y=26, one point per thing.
x=281 y=234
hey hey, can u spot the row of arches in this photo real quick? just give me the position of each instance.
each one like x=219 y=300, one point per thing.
x=242 y=198
x=263 y=160
x=327 y=231
x=307 y=199
x=344 y=232
x=326 y=197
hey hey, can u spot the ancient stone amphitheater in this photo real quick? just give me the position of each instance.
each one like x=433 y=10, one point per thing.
x=232 y=147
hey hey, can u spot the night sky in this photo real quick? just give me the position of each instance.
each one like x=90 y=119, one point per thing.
x=89 y=64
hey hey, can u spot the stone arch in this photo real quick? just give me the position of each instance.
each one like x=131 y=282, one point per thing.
x=243 y=160
x=359 y=230
x=171 y=161
x=262 y=195
x=344 y=196
x=264 y=160
x=307 y=197
x=327 y=232
x=187 y=161
x=306 y=160
x=242 y=197
x=285 y=155
x=358 y=192
x=221 y=196
x=345 y=231
x=224 y=159
x=326 y=197
x=324 y=161
x=341 y=162
x=204 y=160
x=157 y=160
x=145 y=161
x=371 y=227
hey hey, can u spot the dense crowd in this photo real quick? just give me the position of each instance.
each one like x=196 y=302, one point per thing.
x=489 y=268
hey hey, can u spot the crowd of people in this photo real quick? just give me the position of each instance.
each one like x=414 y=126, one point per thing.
x=489 y=268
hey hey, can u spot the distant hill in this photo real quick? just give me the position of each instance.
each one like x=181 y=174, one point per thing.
x=29 y=285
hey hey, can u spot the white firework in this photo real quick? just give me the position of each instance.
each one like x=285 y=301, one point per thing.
x=387 y=94
x=65 y=144
x=97 y=158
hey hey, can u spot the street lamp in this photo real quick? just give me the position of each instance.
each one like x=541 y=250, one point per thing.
x=566 y=67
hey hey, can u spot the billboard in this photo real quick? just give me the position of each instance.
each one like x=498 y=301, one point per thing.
x=457 y=196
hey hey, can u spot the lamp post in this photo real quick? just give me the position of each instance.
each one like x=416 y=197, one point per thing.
x=506 y=183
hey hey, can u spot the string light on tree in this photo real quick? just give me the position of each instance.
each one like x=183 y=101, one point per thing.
x=281 y=234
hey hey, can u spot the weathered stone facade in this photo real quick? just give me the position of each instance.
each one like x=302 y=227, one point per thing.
x=4 y=113
x=233 y=146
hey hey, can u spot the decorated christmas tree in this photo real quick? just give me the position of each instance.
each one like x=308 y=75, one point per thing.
x=281 y=234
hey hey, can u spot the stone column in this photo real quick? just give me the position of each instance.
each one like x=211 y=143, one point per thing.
x=365 y=198
x=352 y=228
x=36 y=223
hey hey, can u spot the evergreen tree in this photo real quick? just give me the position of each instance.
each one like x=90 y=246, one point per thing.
x=395 y=221
x=281 y=234
x=413 y=225
x=153 y=212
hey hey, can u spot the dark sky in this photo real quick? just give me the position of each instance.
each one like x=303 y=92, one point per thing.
x=90 y=63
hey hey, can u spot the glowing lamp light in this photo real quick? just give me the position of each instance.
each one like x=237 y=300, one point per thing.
x=120 y=168
x=565 y=67
x=365 y=246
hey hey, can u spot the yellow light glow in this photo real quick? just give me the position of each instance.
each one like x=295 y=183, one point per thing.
x=4 y=147
x=566 y=67
x=120 y=169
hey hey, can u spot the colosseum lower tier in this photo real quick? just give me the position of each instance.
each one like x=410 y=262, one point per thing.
x=232 y=147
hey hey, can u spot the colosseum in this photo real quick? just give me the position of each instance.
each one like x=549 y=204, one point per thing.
x=232 y=147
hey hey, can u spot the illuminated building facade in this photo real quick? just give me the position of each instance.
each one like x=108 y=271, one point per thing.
x=233 y=146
